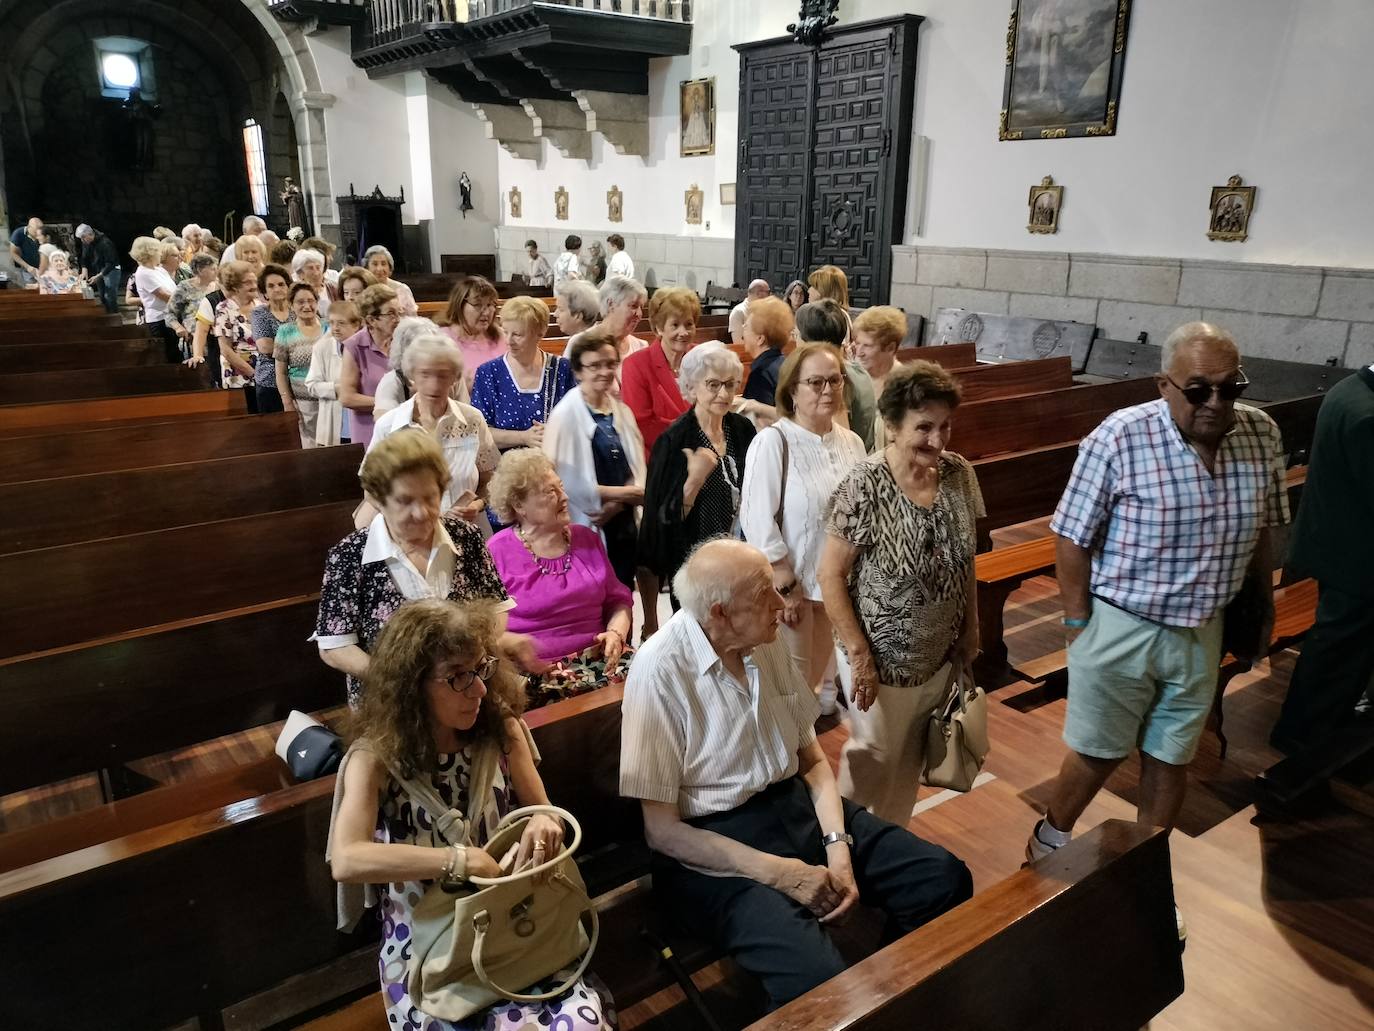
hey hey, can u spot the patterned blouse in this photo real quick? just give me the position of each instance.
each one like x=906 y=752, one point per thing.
x=234 y=328
x=267 y=325
x=357 y=598
x=909 y=584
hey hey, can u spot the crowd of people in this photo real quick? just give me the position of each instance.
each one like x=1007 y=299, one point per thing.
x=813 y=532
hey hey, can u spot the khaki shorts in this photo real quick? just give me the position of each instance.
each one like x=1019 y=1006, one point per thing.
x=1137 y=684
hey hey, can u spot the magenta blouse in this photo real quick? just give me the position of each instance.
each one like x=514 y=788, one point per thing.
x=372 y=366
x=563 y=612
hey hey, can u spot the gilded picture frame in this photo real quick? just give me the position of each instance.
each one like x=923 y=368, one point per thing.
x=1231 y=208
x=695 y=201
x=517 y=203
x=615 y=204
x=697 y=117
x=560 y=204
x=1045 y=202
x=1065 y=60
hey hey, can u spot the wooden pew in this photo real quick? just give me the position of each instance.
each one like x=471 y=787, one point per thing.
x=67 y=510
x=84 y=592
x=75 y=325
x=1082 y=939
x=84 y=354
x=86 y=384
x=1016 y=423
x=948 y=356
x=94 y=707
x=103 y=448
x=984 y=382
x=59 y=333
x=23 y=420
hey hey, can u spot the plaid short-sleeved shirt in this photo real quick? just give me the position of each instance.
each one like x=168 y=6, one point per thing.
x=1170 y=540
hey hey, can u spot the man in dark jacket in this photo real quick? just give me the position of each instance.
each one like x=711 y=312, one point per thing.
x=100 y=262
x=1333 y=541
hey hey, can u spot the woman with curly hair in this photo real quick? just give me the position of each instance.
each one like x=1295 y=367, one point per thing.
x=442 y=710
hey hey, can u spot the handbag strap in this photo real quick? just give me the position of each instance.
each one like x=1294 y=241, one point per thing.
x=449 y=823
x=480 y=924
x=782 y=488
x=524 y=813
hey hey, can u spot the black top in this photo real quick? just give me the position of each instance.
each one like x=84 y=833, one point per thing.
x=763 y=376
x=1333 y=536
x=98 y=256
x=665 y=534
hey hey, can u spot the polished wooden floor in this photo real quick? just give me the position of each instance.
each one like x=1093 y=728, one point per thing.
x=1280 y=912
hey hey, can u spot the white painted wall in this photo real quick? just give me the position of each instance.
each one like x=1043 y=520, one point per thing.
x=457 y=144
x=1268 y=89
x=367 y=126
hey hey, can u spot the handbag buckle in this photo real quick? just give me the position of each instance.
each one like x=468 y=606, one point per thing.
x=520 y=918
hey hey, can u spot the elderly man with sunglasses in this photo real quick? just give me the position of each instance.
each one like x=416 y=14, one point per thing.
x=1170 y=504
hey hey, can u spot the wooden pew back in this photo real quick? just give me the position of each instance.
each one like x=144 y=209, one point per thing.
x=23 y=420
x=71 y=509
x=1001 y=425
x=87 y=384
x=105 y=448
x=58 y=332
x=83 y=354
x=983 y=382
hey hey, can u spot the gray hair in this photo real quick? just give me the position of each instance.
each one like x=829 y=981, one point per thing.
x=253 y=225
x=407 y=331
x=202 y=260
x=191 y=229
x=429 y=347
x=60 y=253
x=376 y=249
x=619 y=290
x=1187 y=333
x=701 y=361
x=696 y=594
x=302 y=256
x=582 y=298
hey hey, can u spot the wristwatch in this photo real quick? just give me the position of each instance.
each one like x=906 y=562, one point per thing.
x=837 y=836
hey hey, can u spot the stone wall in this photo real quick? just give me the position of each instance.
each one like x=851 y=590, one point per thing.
x=1296 y=313
x=660 y=260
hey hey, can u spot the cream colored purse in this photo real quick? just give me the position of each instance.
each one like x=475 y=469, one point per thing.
x=957 y=734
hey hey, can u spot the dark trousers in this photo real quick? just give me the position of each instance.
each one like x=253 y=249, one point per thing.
x=778 y=940
x=171 y=343
x=1332 y=672
x=108 y=290
x=269 y=400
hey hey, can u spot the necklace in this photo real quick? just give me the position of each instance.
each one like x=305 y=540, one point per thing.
x=550 y=566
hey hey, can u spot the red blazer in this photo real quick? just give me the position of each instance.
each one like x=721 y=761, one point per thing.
x=649 y=387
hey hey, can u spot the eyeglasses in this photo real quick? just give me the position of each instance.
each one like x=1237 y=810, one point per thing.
x=388 y=313
x=820 y=383
x=462 y=681
x=715 y=386
x=603 y=366
x=480 y=307
x=1198 y=394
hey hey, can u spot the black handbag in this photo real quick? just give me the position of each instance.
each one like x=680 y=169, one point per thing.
x=1248 y=621
x=308 y=747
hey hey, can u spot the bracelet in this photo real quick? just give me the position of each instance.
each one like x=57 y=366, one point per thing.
x=784 y=591
x=1074 y=624
x=613 y=630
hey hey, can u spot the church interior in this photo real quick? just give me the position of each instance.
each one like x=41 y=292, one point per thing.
x=1029 y=219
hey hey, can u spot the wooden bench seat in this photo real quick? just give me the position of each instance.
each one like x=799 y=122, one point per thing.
x=20 y=420
x=1082 y=939
x=83 y=354
x=71 y=509
x=99 y=705
x=85 y=384
x=1000 y=572
x=97 y=589
x=103 y=447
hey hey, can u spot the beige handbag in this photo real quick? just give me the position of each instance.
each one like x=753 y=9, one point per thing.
x=473 y=948
x=957 y=734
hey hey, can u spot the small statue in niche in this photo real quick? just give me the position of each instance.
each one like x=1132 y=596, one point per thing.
x=139 y=116
x=294 y=200
x=465 y=191
x=560 y=204
x=615 y=204
x=516 y=202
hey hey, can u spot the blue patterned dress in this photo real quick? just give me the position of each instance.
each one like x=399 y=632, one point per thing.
x=585 y=1007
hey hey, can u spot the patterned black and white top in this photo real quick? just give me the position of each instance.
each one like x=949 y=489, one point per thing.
x=359 y=596
x=909 y=584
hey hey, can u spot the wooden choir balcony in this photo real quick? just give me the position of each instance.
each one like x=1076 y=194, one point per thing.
x=321 y=12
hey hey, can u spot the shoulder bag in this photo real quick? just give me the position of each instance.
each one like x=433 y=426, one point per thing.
x=957 y=734
x=472 y=947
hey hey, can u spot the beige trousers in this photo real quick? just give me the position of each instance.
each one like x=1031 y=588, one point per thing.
x=880 y=767
x=811 y=643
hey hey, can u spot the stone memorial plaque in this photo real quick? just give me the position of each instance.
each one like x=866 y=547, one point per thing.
x=1007 y=338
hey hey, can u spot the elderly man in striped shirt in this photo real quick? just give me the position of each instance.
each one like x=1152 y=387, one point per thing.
x=1170 y=504
x=753 y=845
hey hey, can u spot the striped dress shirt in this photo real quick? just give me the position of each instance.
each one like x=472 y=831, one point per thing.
x=1170 y=540
x=694 y=735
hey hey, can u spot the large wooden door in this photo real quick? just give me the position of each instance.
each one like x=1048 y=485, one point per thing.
x=825 y=145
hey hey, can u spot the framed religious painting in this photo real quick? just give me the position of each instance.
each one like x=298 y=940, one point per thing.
x=560 y=204
x=695 y=201
x=516 y=203
x=697 y=117
x=615 y=204
x=1232 y=206
x=1064 y=67
x=1045 y=202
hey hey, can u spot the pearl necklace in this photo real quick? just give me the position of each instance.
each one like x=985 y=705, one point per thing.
x=550 y=566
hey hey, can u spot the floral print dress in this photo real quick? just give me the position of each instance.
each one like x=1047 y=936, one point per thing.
x=587 y=1006
x=232 y=326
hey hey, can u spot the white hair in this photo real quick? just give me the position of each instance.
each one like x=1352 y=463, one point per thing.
x=302 y=256
x=252 y=225
x=429 y=347
x=191 y=229
x=761 y=287
x=378 y=249
x=581 y=297
x=619 y=290
x=697 y=593
x=1187 y=333
x=704 y=359
x=407 y=331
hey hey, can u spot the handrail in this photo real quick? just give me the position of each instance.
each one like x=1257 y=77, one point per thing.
x=388 y=16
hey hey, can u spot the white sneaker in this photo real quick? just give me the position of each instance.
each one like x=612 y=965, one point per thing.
x=1036 y=847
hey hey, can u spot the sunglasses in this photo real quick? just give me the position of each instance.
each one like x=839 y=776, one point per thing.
x=1198 y=394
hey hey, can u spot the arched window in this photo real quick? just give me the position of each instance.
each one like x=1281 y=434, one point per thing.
x=257 y=165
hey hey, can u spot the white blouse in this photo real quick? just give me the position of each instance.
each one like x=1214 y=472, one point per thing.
x=815 y=466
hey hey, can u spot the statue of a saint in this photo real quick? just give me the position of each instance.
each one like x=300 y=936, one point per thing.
x=138 y=117
x=294 y=200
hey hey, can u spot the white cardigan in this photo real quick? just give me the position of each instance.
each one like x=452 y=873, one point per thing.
x=568 y=442
x=815 y=466
x=321 y=381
